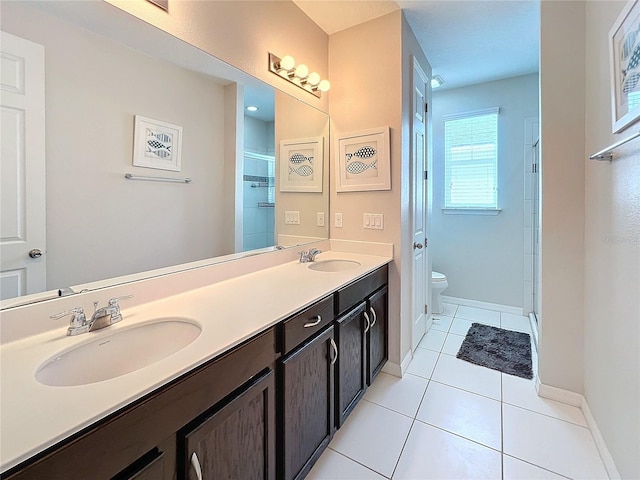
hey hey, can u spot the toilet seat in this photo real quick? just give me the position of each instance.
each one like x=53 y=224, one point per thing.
x=438 y=277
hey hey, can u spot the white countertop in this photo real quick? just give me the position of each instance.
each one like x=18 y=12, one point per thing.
x=36 y=416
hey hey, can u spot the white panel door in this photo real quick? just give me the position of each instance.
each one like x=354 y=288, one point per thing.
x=22 y=170
x=420 y=283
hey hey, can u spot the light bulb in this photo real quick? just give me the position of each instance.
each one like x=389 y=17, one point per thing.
x=302 y=70
x=324 y=86
x=287 y=62
x=313 y=79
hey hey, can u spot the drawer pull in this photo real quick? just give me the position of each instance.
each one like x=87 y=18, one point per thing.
x=368 y=325
x=335 y=351
x=195 y=463
x=314 y=323
x=375 y=317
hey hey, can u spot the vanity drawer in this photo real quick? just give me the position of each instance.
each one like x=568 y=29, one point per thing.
x=352 y=294
x=308 y=322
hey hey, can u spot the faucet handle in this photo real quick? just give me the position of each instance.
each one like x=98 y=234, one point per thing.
x=78 y=323
x=113 y=302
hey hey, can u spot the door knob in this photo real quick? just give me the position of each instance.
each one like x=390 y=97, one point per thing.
x=417 y=245
x=35 y=253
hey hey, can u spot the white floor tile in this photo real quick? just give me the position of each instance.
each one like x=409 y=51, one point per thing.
x=452 y=344
x=423 y=363
x=552 y=444
x=433 y=340
x=466 y=414
x=373 y=436
x=449 y=309
x=402 y=395
x=333 y=466
x=518 y=323
x=460 y=326
x=431 y=453
x=441 y=322
x=522 y=393
x=480 y=315
x=467 y=376
x=514 y=469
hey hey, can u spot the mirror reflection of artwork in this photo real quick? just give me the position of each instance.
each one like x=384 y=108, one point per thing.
x=156 y=144
x=624 y=42
x=301 y=165
x=363 y=161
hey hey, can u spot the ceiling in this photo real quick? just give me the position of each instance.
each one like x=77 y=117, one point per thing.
x=465 y=41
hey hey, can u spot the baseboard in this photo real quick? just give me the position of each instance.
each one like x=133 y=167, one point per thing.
x=398 y=370
x=578 y=400
x=485 y=305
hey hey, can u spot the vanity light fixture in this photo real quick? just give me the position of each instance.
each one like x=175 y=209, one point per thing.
x=436 y=81
x=299 y=75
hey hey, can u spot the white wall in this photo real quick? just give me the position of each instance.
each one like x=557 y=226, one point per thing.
x=482 y=255
x=612 y=260
x=102 y=226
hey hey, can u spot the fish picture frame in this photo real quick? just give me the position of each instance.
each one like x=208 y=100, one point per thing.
x=157 y=144
x=363 y=161
x=624 y=57
x=301 y=165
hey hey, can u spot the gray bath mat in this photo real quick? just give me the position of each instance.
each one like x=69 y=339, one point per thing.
x=498 y=349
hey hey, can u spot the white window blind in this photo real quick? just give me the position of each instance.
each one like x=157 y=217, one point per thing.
x=471 y=160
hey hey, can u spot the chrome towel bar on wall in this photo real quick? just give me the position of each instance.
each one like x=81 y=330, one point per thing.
x=131 y=176
x=607 y=153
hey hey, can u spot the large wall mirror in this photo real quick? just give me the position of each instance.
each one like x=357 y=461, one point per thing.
x=103 y=68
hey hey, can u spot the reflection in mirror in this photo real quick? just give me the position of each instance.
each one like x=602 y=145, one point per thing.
x=102 y=67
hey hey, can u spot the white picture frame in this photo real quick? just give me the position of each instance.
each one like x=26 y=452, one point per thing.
x=624 y=58
x=157 y=144
x=301 y=165
x=363 y=161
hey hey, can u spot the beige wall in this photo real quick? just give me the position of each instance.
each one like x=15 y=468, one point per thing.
x=242 y=33
x=612 y=260
x=562 y=100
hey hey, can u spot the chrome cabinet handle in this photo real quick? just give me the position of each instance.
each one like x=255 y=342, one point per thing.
x=313 y=324
x=195 y=463
x=375 y=317
x=335 y=351
x=368 y=326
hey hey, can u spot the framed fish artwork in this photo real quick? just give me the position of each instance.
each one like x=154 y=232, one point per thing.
x=156 y=144
x=363 y=161
x=624 y=55
x=301 y=164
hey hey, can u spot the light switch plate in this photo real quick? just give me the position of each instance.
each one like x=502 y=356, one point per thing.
x=320 y=219
x=291 y=217
x=338 y=222
x=373 y=221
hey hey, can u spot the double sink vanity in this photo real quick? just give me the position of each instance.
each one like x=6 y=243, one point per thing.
x=243 y=377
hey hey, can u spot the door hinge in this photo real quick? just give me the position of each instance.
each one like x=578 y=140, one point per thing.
x=426 y=175
x=534 y=168
x=426 y=309
x=426 y=107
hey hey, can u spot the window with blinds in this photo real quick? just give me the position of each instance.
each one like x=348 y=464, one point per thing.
x=471 y=160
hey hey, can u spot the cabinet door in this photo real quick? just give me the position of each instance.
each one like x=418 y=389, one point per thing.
x=238 y=440
x=306 y=417
x=378 y=333
x=352 y=361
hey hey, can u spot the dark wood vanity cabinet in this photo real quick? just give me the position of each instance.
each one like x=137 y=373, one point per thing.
x=377 y=338
x=236 y=439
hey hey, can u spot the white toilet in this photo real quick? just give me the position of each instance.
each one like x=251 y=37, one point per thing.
x=438 y=284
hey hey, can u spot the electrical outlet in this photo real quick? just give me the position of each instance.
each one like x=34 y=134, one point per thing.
x=292 y=217
x=373 y=221
x=338 y=222
x=320 y=219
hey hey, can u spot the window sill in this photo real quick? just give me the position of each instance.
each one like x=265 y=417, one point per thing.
x=471 y=211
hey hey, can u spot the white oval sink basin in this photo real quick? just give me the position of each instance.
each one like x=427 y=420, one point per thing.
x=335 y=265
x=124 y=351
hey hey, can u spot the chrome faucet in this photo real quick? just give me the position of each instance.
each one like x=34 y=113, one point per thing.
x=102 y=317
x=310 y=256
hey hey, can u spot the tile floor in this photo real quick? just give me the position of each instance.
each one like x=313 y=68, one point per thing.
x=450 y=419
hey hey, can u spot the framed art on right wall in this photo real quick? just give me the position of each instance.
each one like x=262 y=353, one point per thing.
x=624 y=55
